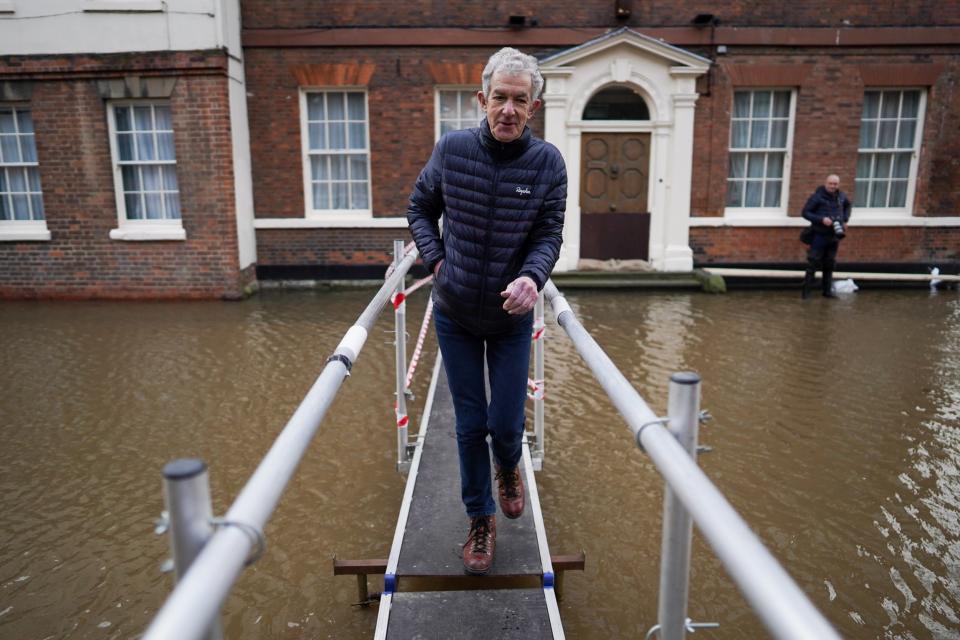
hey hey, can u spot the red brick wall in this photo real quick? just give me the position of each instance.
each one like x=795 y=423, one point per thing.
x=286 y=247
x=262 y=14
x=77 y=178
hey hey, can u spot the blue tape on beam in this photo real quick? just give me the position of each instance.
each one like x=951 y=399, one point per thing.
x=390 y=582
x=548 y=580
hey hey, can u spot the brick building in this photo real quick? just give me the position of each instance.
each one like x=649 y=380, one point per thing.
x=693 y=132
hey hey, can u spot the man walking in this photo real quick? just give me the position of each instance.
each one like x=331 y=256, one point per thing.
x=828 y=211
x=502 y=194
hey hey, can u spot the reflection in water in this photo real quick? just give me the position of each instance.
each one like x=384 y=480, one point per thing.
x=837 y=436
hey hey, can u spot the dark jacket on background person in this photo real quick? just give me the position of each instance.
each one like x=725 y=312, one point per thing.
x=823 y=204
x=503 y=206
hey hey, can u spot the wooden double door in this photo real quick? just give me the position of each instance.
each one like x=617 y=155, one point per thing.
x=615 y=174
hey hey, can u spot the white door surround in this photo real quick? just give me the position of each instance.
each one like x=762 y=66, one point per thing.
x=666 y=78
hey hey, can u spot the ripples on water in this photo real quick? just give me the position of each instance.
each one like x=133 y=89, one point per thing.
x=836 y=434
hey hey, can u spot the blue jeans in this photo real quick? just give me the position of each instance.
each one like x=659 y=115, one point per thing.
x=508 y=362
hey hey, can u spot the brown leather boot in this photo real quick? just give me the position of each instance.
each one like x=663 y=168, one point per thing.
x=478 y=549
x=510 y=492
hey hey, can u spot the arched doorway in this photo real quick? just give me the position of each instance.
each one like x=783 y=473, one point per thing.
x=615 y=174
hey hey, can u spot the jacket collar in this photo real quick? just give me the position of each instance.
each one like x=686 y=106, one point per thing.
x=504 y=149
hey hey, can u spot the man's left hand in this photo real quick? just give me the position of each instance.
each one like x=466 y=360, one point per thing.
x=521 y=295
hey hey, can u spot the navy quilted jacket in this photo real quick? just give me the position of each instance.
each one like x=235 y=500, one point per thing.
x=503 y=206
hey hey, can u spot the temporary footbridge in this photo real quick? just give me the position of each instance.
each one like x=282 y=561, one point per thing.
x=209 y=553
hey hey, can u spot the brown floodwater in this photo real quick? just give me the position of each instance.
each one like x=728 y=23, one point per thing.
x=836 y=435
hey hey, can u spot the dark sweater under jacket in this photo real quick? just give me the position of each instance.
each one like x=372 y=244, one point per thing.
x=822 y=204
x=503 y=207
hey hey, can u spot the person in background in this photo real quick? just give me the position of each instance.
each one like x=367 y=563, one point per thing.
x=828 y=211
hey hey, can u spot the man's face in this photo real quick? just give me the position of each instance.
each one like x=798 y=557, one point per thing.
x=832 y=184
x=509 y=105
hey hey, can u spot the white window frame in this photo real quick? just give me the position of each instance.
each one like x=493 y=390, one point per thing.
x=123 y=6
x=436 y=103
x=906 y=211
x=23 y=230
x=757 y=213
x=333 y=216
x=137 y=230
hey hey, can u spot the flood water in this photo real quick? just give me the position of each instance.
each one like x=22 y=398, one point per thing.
x=835 y=434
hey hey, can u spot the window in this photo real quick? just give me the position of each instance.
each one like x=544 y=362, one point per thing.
x=457 y=109
x=616 y=103
x=760 y=138
x=337 y=152
x=889 y=139
x=145 y=170
x=21 y=198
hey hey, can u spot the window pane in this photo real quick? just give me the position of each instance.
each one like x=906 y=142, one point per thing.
x=321 y=195
x=28 y=148
x=758 y=134
x=338 y=167
x=151 y=178
x=122 y=116
x=143 y=119
x=755 y=165
x=3 y=179
x=738 y=165
x=338 y=135
x=162 y=115
x=131 y=178
x=448 y=105
x=860 y=195
x=901 y=165
x=446 y=126
x=18 y=181
x=358 y=136
x=169 y=178
x=21 y=207
x=888 y=134
x=739 y=138
x=9 y=149
x=7 y=124
x=761 y=104
x=37 y=201
x=355 y=106
x=775 y=165
x=154 y=206
x=754 y=189
x=734 y=194
x=890 y=104
x=340 y=195
x=134 y=208
x=781 y=104
x=882 y=166
x=315 y=106
x=868 y=134
x=871 y=104
x=911 y=104
x=318 y=168
x=33 y=177
x=741 y=104
x=358 y=167
x=165 y=146
x=25 y=121
x=125 y=146
x=173 y=205
x=879 y=196
x=907 y=130
x=778 y=134
x=358 y=193
x=864 y=163
x=335 y=109
x=318 y=139
x=771 y=197
x=145 y=147
x=898 y=193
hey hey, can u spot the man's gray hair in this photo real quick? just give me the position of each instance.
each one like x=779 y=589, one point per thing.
x=510 y=61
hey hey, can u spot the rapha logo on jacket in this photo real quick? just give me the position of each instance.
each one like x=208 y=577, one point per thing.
x=523 y=190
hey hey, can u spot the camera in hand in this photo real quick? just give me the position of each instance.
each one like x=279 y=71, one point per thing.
x=838 y=229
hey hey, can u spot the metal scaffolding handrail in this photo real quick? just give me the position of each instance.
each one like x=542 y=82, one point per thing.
x=781 y=605
x=191 y=611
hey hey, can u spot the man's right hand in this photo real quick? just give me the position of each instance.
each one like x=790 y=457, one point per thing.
x=827 y=221
x=436 y=267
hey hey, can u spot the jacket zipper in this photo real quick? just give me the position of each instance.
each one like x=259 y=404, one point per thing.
x=486 y=243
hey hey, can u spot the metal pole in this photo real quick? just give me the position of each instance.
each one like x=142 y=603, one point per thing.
x=538 y=375
x=780 y=604
x=186 y=490
x=194 y=604
x=400 y=327
x=683 y=411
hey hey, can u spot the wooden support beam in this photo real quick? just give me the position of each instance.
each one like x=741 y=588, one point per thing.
x=568 y=562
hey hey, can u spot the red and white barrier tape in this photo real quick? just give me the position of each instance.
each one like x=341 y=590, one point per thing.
x=538 y=331
x=538 y=388
x=415 y=359
x=399 y=298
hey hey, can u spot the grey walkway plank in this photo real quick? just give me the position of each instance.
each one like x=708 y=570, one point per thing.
x=437 y=523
